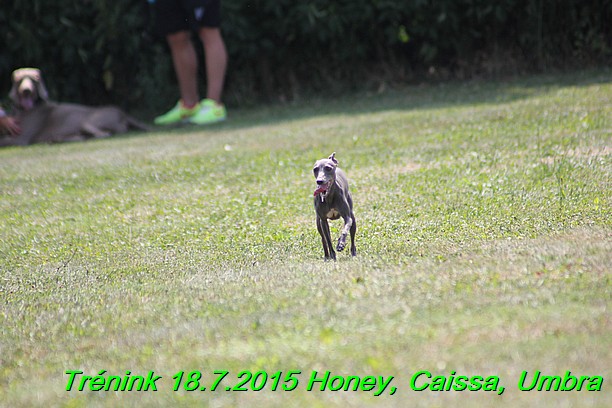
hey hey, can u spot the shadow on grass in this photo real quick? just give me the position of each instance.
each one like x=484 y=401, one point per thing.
x=425 y=96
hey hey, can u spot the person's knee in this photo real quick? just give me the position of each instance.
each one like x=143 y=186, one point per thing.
x=179 y=40
x=210 y=35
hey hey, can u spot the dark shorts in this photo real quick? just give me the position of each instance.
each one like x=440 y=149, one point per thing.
x=172 y=16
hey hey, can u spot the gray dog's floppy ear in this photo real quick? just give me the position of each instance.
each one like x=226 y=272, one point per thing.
x=42 y=89
x=333 y=157
x=13 y=93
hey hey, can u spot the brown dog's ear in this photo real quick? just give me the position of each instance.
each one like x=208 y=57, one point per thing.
x=333 y=157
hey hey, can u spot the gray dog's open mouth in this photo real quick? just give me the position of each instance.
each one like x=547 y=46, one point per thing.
x=26 y=102
x=322 y=189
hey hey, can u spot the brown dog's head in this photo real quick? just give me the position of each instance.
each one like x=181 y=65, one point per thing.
x=28 y=88
x=325 y=174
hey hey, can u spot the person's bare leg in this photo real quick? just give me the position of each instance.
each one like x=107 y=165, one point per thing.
x=215 y=56
x=185 y=63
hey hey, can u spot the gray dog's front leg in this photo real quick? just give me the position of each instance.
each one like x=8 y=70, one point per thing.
x=348 y=222
x=323 y=227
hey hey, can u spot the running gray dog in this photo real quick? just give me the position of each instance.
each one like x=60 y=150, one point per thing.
x=42 y=121
x=332 y=200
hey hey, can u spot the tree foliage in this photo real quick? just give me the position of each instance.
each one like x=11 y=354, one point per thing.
x=96 y=51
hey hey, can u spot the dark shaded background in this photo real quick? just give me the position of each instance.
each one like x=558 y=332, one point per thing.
x=98 y=52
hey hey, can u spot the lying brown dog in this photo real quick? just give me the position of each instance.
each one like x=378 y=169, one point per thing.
x=42 y=121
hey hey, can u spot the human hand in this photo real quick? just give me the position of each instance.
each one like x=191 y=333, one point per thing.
x=10 y=124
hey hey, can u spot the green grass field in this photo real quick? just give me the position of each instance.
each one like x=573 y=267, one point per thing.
x=484 y=248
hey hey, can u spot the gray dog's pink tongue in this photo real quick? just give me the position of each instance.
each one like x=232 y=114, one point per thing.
x=320 y=189
x=27 y=102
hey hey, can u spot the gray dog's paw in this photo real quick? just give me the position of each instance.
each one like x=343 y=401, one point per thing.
x=341 y=245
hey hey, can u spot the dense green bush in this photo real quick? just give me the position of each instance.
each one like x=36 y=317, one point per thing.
x=90 y=51
x=96 y=51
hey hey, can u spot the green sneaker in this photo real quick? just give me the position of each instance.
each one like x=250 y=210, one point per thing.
x=210 y=112
x=176 y=115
